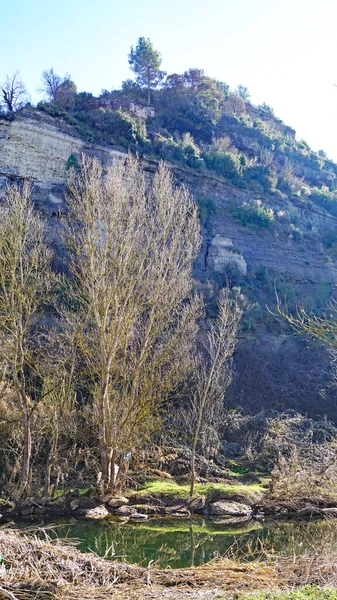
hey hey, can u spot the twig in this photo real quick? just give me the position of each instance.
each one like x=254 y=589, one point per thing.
x=7 y=594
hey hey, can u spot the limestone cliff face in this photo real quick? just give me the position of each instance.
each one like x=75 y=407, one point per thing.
x=36 y=147
x=33 y=147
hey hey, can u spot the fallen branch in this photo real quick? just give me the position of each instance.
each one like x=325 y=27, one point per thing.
x=7 y=594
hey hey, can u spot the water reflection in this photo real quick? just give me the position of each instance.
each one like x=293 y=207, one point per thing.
x=180 y=543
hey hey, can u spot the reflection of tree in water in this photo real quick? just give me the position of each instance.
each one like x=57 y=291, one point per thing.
x=166 y=543
x=182 y=543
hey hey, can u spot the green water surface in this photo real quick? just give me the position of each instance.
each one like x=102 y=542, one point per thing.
x=180 y=543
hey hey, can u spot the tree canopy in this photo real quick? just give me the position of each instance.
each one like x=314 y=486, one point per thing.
x=145 y=62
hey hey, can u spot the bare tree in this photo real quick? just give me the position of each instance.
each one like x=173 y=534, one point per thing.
x=59 y=90
x=50 y=84
x=213 y=371
x=131 y=245
x=25 y=279
x=14 y=92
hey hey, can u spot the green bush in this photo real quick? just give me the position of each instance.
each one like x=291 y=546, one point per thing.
x=255 y=214
x=223 y=163
x=191 y=152
x=260 y=175
x=72 y=163
x=296 y=233
x=206 y=209
x=262 y=275
x=325 y=198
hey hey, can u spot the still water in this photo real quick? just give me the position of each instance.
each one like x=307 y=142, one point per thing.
x=180 y=543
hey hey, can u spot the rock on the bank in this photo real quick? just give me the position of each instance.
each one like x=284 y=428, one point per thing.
x=99 y=512
x=232 y=509
x=125 y=511
x=197 y=504
x=117 y=502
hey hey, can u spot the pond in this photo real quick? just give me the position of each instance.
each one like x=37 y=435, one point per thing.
x=185 y=542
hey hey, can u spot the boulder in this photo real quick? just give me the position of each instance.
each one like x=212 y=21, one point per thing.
x=197 y=504
x=125 y=511
x=117 y=502
x=99 y=512
x=149 y=509
x=74 y=504
x=177 y=511
x=230 y=508
x=141 y=498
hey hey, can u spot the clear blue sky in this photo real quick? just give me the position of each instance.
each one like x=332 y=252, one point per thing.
x=284 y=51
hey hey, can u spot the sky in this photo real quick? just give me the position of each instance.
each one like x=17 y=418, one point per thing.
x=284 y=51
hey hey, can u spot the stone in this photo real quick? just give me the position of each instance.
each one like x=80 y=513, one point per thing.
x=117 y=502
x=181 y=512
x=125 y=511
x=138 y=516
x=197 y=504
x=176 y=511
x=74 y=504
x=230 y=508
x=99 y=512
x=149 y=509
x=27 y=511
x=310 y=511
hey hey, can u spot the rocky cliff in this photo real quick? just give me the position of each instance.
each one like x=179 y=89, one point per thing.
x=292 y=255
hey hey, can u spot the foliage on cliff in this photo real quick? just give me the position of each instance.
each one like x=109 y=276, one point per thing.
x=200 y=123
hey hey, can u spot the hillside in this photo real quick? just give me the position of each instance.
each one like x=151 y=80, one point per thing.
x=268 y=207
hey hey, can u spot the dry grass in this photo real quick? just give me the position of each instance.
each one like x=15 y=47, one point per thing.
x=54 y=569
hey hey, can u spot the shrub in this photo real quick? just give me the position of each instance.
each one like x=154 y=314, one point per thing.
x=206 y=209
x=191 y=151
x=255 y=213
x=262 y=275
x=224 y=164
x=296 y=233
x=72 y=163
x=260 y=175
x=266 y=108
x=324 y=198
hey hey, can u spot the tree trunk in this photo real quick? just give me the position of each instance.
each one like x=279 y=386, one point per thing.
x=195 y=439
x=105 y=462
x=148 y=86
x=27 y=450
x=104 y=454
x=51 y=456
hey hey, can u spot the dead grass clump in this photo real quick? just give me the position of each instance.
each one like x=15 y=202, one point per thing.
x=55 y=566
x=54 y=570
x=317 y=565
